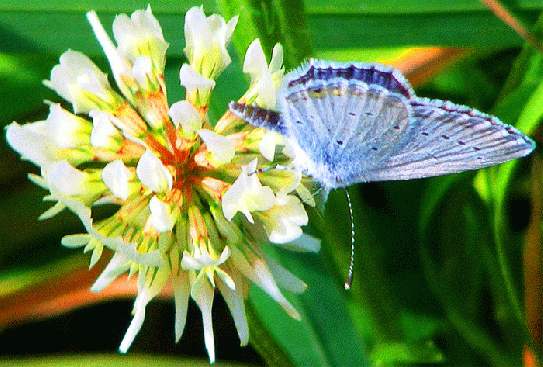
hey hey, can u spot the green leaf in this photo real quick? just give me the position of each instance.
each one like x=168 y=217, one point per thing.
x=406 y=353
x=326 y=334
x=99 y=360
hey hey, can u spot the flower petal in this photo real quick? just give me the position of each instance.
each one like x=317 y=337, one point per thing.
x=118 y=64
x=255 y=60
x=104 y=133
x=66 y=129
x=185 y=115
x=148 y=288
x=116 y=266
x=284 y=278
x=76 y=240
x=276 y=63
x=202 y=293
x=258 y=272
x=206 y=40
x=266 y=281
x=267 y=145
x=283 y=221
x=142 y=71
x=152 y=173
x=181 y=294
x=77 y=77
x=139 y=35
x=161 y=216
x=221 y=148
x=32 y=142
x=247 y=194
x=96 y=253
x=264 y=80
x=234 y=298
x=198 y=87
x=115 y=175
x=304 y=243
x=67 y=179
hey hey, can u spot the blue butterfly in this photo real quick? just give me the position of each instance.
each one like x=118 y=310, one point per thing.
x=358 y=122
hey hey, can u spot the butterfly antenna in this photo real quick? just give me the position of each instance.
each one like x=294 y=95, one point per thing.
x=349 y=281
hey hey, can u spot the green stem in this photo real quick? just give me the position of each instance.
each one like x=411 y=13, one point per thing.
x=497 y=188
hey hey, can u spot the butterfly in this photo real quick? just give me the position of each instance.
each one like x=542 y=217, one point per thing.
x=356 y=122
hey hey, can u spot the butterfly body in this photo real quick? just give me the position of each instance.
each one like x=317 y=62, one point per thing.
x=349 y=123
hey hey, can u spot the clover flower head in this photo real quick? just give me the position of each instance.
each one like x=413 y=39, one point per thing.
x=177 y=178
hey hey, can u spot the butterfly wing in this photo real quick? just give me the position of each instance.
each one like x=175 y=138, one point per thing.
x=450 y=138
x=360 y=122
x=369 y=73
x=340 y=127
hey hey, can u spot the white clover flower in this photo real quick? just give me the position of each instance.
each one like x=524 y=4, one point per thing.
x=149 y=285
x=202 y=287
x=267 y=145
x=69 y=181
x=79 y=81
x=161 y=215
x=282 y=222
x=66 y=129
x=177 y=178
x=104 y=134
x=137 y=62
x=221 y=148
x=153 y=174
x=247 y=195
x=48 y=141
x=185 y=115
x=116 y=177
x=140 y=35
x=207 y=38
x=32 y=142
x=198 y=87
x=265 y=80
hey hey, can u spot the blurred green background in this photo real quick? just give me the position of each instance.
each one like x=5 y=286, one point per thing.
x=447 y=269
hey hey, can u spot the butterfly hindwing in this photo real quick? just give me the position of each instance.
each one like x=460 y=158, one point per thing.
x=450 y=138
x=337 y=121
